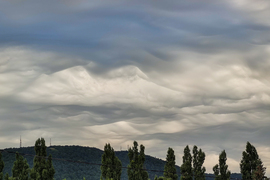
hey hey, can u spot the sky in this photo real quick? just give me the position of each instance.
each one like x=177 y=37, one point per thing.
x=163 y=73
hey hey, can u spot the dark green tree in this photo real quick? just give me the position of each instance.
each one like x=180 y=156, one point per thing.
x=111 y=165
x=250 y=161
x=136 y=159
x=259 y=173
x=42 y=170
x=170 y=170
x=216 y=172
x=39 y=160
x=198 y=160
x=186 y=167
x=20 y=170
x=50 y=168
x=1 y=166
x=221 y=170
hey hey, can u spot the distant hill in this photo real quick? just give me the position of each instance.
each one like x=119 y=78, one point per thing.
x=73 y=171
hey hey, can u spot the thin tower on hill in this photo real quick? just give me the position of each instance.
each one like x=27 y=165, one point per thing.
x=20 y=141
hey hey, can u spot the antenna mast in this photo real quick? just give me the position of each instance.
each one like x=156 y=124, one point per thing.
x=20 y=142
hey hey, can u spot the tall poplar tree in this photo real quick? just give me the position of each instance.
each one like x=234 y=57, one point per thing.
x=170 y=170
x=221 y=170
x=136 y=159
x=186 y=167
x=198 y=160
x=111 y=165
x=39 y=160
x=42 y=170
x=250 y=161
x=20 y=170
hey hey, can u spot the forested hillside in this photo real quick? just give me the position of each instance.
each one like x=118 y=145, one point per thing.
x=72 y=170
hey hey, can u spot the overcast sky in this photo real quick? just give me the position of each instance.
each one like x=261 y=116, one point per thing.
x=163 y=73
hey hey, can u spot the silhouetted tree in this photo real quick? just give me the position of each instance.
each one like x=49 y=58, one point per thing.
x=20 y=170
x=170 y=170
x=42 y=170
x=221 y=170
x=250 y=162
x=198 y=160
x=186 y=167
x=111 y=165
x=136 y=159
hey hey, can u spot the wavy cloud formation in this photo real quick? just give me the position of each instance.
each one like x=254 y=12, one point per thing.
x=164 y=74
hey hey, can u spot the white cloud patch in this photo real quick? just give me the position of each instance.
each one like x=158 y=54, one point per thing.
x=256 y=10
x=77 y=86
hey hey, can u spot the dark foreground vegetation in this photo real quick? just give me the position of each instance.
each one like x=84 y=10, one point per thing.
x=76 y=162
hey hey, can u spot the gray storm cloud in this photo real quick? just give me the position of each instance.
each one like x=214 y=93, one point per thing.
x=167 y=74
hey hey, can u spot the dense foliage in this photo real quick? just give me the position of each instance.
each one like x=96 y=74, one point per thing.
x=170 y=170
x=221 y=170
x=111 y=165
x=186 y=167
x=49 y=173
x=198 y=160
x=20 y=170
x=77 y=171
x=251 y=165
x=259 y=173
x=42 y=169
x=136 y=166
x=75 y=162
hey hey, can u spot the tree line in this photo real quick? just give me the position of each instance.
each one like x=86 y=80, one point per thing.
x=42 y=170
x=192 y=168
x=251 y=166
